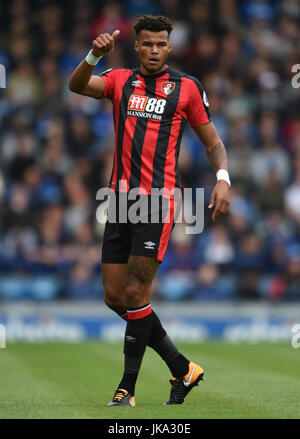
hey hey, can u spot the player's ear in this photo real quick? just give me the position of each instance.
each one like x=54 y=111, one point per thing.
x=170 y=48
x=136 y=43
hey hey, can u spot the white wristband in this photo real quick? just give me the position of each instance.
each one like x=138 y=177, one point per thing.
x=222 y=174
x=91 y=59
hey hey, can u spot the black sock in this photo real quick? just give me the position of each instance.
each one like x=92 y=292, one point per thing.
x=137 y=334
x=157 y=330
x=163 y=345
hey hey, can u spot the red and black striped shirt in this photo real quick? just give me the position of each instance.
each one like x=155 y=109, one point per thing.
x=150 y=113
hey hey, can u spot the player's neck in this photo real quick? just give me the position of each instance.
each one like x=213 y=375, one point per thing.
x=144 y=71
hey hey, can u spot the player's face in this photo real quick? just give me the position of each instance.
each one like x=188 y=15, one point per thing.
x=153 y=49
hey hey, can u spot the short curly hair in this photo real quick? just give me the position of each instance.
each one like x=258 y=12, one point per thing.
x=153 y=23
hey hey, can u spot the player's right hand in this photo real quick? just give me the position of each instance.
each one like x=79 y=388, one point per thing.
x=104 y=43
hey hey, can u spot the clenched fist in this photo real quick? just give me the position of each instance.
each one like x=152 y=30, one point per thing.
x=104 y=43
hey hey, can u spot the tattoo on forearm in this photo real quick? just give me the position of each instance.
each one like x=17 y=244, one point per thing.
x=217 y=156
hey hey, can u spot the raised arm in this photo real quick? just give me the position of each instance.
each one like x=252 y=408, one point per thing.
x=217 y=157
x=82 y=81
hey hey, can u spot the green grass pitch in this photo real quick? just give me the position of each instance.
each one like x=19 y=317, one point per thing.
x=59 y=380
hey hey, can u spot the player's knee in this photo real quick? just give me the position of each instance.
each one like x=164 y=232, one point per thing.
x=113 y=300
x=135 y=295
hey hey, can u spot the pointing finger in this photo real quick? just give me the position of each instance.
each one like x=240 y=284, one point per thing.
x=216 y=214
x=212 y=199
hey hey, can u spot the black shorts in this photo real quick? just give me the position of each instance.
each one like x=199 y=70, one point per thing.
x=145 y=237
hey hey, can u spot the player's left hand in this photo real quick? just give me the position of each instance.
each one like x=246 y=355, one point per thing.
x=220 y=196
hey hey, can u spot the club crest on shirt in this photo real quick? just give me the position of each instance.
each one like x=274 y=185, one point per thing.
x=168 y=87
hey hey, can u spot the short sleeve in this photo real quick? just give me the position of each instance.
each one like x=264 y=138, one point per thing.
x=108 y=77
x=198 y=105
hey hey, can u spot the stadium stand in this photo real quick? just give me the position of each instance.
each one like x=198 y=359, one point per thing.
x=57 y=148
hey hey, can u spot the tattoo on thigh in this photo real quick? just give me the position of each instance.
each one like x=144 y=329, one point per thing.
x=141 y=268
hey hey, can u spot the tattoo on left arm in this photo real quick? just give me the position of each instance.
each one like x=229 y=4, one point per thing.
x=217 y=156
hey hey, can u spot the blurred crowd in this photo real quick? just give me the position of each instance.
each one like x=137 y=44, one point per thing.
x=57 y=147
